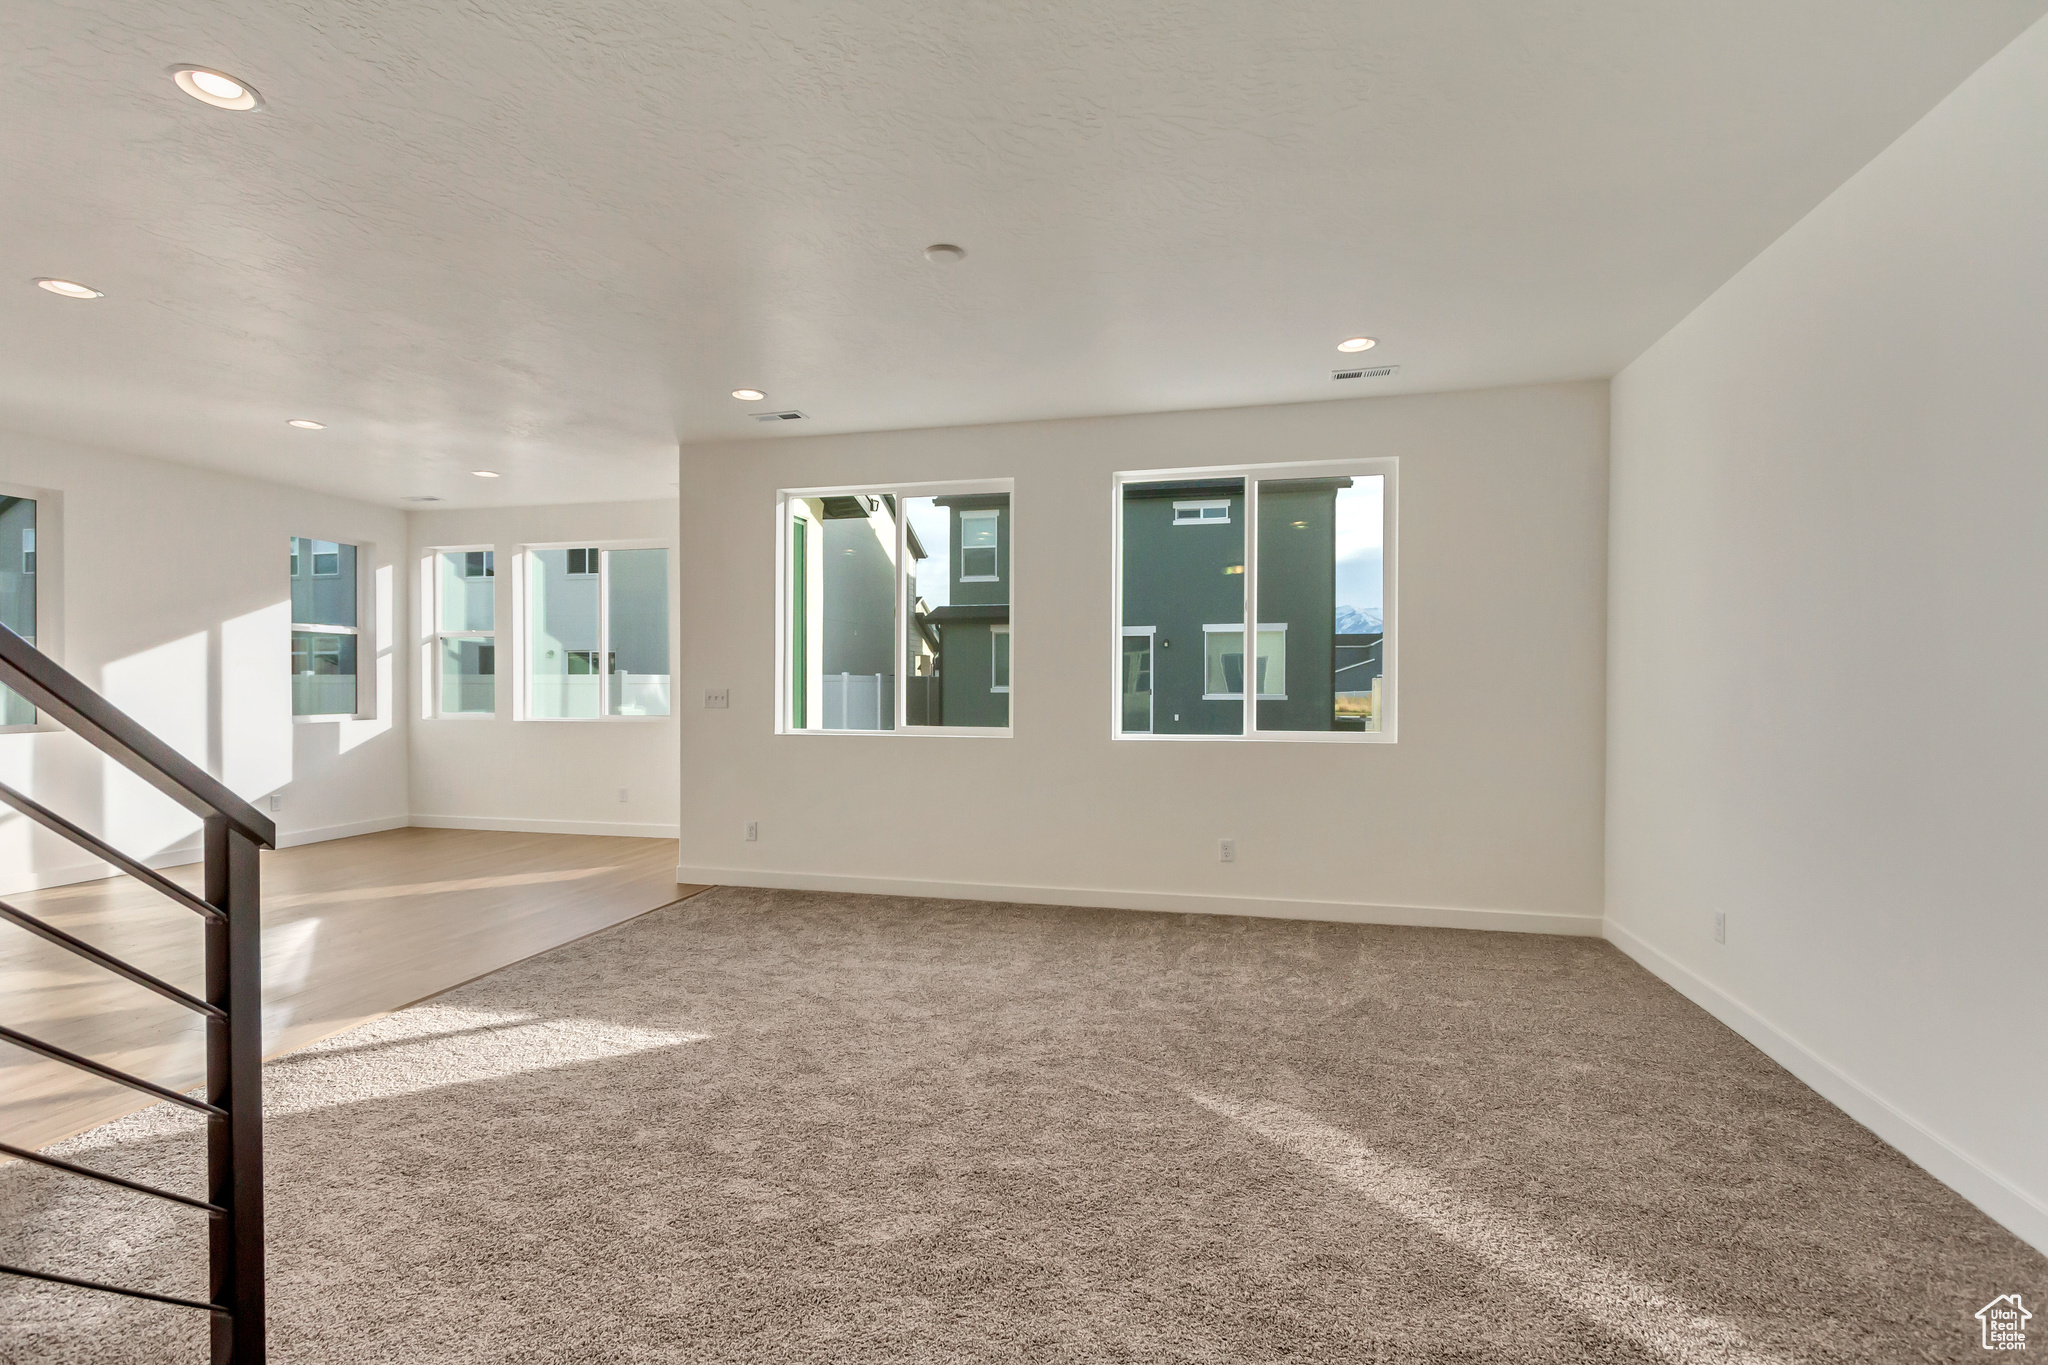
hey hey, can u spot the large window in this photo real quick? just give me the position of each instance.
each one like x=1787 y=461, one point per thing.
x=324 y=628
x=597 y=641
x=896 y=610
x=1312 y=546
x=465 y=650
x=17 y=593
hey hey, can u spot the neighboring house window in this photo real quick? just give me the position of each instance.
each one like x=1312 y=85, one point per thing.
x=999 y=659
x=1212 y=513
x=1311 y=545
x=895 y=610
x=1223 y=662
x=597 y=632
x=324 y=627
x=978 y=533
x=465 y=647
x=18 y=597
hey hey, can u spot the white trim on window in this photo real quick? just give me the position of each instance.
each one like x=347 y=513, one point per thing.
x=785 y=500
x=521 y=580
x=362 y=630
x=1234 y=628
x=995 y=518
x=436 y=636
x=1387 y=691
x=42 y=563
x=1196 y=512
x=994 y=632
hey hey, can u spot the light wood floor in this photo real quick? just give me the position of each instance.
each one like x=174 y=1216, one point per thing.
x=352 y=928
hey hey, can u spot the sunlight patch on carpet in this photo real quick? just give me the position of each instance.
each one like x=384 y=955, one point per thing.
x=431 y=1046
x=1604 y=1294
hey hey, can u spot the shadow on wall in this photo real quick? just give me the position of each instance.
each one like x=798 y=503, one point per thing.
x=223 y=698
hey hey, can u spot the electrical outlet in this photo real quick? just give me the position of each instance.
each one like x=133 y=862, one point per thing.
x=1720 y=926
x=276 y=802
x=717 y=700
x=1226 y=850
x=622 y=796
x=753 y=831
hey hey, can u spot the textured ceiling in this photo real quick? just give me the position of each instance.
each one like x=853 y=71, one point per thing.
x=548 y=236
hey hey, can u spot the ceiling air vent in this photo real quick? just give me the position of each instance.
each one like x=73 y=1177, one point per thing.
x=791 y=416
x=427 y=497
x=1366 y=372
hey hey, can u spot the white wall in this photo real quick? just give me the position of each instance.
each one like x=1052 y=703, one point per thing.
x=557 y=777
x=175 y=603
x=1829 y=646
x=1486 y=813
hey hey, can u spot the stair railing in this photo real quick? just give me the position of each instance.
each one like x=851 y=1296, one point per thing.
x=233 y=1003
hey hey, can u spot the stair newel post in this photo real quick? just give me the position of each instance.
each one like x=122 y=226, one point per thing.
x=234 y=1058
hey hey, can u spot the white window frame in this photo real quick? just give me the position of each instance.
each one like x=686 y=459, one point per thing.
x=430 y=666
x=49 y=576
x=1386 y=467
x=1251 y=655
x=522 y=602
x=1150 y=634
x=1201 y=507
x=993 y=632
x=363 y=630
x=901 y=492
x=980 y=514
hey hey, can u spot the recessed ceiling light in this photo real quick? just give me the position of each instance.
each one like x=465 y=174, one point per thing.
x=1357 y=344
x=70 y=289
x=485 y=473
x=216 y=88
x=749 y=395
x=306 y=424
x=945 y=253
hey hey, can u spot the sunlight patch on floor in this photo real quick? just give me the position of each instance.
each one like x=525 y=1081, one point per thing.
x=431 y=1046
x=1604 y=1294
x=378 y=893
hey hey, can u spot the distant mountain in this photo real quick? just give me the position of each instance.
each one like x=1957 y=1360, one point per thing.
x=1352 y=621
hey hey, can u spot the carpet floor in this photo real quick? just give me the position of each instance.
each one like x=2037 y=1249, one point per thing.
x=772 y=1126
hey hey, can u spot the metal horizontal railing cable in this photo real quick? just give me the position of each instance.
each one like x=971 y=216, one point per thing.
x=232 y=1004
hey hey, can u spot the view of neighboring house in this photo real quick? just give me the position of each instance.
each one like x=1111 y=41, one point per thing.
x=962 y=619
x=323 y=577
x=842 y=617
x=599 y=633
x=1315 y=660
x=17 y=591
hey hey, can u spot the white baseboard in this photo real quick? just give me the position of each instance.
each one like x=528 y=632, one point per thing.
x=2024 y=1215
x=620 y=828
x=320 y=834
x=1341 y=912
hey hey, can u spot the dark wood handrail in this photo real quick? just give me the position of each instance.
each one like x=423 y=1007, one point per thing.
x=114 y=733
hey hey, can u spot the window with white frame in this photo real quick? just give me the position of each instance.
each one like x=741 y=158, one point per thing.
x=324 y=628
x=895 y=609
x=597 y=637
x=1214 y=512
x=999 y=658
x=1311 y=547
x=17 y=595
x=465 y=645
